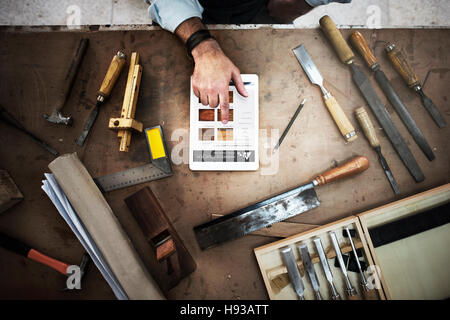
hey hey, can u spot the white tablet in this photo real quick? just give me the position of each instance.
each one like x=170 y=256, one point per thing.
x=226 y=147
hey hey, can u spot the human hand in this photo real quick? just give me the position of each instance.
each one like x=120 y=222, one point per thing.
x=212 y=74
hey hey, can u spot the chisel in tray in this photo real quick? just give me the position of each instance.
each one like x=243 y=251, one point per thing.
x=369 y=131
x=402 y=67
x=293 y=273
x=365 y=87
x=278 y=208
x=326 y=268
x=309 y=268
x=341 y=120
x=360 y=44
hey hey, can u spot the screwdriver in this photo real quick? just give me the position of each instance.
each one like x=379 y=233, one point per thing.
x=369 y=294
x=326 y=268
x=369 y=132
x=351 y=292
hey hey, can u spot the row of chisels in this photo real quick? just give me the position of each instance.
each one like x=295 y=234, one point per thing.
x=344 y=125
x=367 y=290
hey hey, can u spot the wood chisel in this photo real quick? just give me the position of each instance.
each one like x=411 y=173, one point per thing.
x=293 y=273
x=402 y=67
x=360 y=44
x=326 y=268
x=344 y=125
x=278 y=208
x=159 y=167
x=115 y=67
x=368 y=293
x=362 y=82
x=309 y=267
x=370 y=133
x=351 y=292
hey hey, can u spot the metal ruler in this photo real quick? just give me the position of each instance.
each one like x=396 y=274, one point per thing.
x=130 y=177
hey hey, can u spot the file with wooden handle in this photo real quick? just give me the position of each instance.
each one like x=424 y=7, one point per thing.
x=379 y=110
x=360 y=44
x=345 y=127
x=401 y=65
x=370 y=133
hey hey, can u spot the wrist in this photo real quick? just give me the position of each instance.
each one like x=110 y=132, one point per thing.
x=205 y=47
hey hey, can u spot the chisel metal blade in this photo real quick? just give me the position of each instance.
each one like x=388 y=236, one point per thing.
x=326 y=268
x=293 y=273
x=403 y=113
x=385 y=120
x=88 y=125
x=432 y=109
x=308 y=65
x=388 y=172
x=309 y=267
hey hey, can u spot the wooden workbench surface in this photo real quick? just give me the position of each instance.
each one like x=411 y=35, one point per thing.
x=32 y=66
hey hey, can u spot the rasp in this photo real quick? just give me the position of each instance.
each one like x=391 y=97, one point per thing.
x=293 y=273
x=402 y=67
x=362 y=82
x=278 y=208
x=351 y=292
x=369 y=131
x=341 y=120
x=326 y=268
x=360 y=44
x=309 y=267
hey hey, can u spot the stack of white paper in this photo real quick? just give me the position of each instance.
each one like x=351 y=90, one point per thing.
x=59 y=199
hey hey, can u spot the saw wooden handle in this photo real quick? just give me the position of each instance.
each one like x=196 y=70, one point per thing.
x=356 y=165
x=358 y=41
x=335 y=37
x=345 y=126
x=402 y=67
x=115 y=67
x=367 y=126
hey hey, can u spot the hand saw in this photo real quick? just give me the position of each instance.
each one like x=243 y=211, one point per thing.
x=275 y=209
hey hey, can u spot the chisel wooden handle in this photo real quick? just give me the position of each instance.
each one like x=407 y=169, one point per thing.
x=370 y=294
x=334 y=35
x=353 y=297
x=115 y=67
x=358 y=41
x=345 y=126
x=367 y=126
x=402 y=67
x=356 y=165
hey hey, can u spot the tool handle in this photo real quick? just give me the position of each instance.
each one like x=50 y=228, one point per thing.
x=71 y=73
x=370 y=294
x=52 y=263
x=115 y=67
x=343 y=123
x=353 y=297
x=356 y=165
x=335 y=37
x=358 y=41
x=401 y=65
x=367 y=126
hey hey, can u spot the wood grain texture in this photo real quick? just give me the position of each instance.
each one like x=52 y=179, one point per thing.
x=340 y=118
x=358 y=41
x=112 y=74
x=334 y=35
x=401 y=65
x=367 y=126
x=206 y=114
x=313 y=143
x=354 y=166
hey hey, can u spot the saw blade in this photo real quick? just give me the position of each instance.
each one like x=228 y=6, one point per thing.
x=257 y=216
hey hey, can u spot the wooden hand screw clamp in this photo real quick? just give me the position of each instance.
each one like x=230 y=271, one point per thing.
x=126 y=122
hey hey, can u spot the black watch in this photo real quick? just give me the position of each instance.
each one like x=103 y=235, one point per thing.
x=196 y=38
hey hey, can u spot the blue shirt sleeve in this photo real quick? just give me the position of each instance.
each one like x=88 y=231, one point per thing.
x=316 y=3
x=169 y=14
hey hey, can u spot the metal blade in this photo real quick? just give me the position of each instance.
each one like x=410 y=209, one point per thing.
x=257 y=216
x=308 y=65
x=88 y=125
x=432 y=110
x=293 y=273
x=326 y=267
x=403 y=113
x=388 y=172
x=309 y=267
x=385 y=120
